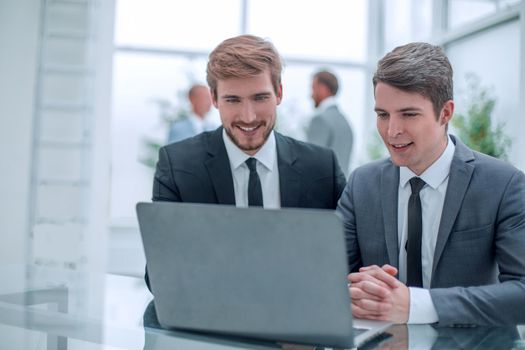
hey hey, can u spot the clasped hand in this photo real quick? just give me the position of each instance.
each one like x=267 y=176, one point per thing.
x=377 y=295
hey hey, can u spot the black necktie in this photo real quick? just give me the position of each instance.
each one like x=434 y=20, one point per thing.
x=255 y=197
x=414 y=274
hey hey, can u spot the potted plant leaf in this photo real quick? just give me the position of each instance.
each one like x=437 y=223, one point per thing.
x=475 y=127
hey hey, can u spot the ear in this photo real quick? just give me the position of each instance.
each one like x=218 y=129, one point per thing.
x=279 y=94
x=447 y=112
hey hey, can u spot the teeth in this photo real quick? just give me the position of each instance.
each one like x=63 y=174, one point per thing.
x=400 y=145
x=248 y=129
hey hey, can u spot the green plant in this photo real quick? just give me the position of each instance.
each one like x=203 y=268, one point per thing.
x=475 y=127
x=376 y=148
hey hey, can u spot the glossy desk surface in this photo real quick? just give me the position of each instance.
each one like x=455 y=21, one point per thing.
x=63 y=309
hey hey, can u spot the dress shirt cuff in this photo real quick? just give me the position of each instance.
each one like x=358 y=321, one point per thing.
x=422 y=308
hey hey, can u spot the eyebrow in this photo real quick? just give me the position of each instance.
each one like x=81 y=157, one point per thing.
x=229 y=96
x=258 y=94
x=406 y=109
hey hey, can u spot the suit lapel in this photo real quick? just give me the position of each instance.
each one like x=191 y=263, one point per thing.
x=289 y=178
x=219 y=170
x=459 y=178
x=389 y=194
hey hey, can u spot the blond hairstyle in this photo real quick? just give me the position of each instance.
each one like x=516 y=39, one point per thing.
x=243 y=56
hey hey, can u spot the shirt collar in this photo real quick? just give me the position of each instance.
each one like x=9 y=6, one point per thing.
x=326 y=103
x=436 y=173
x=266 y=155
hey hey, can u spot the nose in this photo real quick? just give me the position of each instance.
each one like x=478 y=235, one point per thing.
x=395 y=127
x=248 y=114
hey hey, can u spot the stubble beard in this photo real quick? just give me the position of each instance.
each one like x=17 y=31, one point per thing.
x=249 y=148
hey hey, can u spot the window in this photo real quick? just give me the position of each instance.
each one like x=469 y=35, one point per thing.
x=406 y=21
x=162 y=47
x=331 y=30
x=194 y=25
x=462 y=12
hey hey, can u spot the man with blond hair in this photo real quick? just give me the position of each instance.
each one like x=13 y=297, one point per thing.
x=244 y=76
x=245 y=162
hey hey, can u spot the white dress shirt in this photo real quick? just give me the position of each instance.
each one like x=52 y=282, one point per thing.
x=432 y=197
x=325 y=104
x=267 y=169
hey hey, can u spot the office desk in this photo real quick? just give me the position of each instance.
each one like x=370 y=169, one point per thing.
x=46 y=317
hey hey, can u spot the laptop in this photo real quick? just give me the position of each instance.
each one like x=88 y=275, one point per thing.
x=271 y=274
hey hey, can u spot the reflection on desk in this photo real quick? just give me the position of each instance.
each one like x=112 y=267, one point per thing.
x=43 y=318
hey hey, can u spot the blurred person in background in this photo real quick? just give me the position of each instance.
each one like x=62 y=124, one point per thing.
x=198 y=120
x=329 y=127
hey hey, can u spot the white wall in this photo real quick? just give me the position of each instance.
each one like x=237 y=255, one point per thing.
x=57 y=242
x=19 y=26
x=494 y=56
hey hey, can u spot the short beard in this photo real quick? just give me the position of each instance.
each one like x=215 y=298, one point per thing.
x=252 y=148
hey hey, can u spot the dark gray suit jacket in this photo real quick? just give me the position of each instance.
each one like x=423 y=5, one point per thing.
x=478 y=276
x=331 y=129
x=198 y=170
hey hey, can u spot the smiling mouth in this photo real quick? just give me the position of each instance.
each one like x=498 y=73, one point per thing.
x=401 y=145
x=248 y=129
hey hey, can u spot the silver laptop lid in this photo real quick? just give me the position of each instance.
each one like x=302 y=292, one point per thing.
x=270 y=274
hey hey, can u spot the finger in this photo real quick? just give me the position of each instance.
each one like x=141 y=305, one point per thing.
x=358 y=277
x=359 y=312
x=358 y=293
x=391 y=270
x=368 y=268
x=362 y=276
x=383 y=276
x=375 y=307
x=374 y=317
x=378 y=291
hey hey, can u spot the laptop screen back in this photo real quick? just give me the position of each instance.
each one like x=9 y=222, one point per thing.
x=270 y=274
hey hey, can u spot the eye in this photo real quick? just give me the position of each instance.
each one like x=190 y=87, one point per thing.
x=382 y=115
x=261 y=97
x=231 y=99
x=410 y=114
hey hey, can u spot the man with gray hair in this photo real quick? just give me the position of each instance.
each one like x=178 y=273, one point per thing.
x=329 y=127
x=436 y=232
